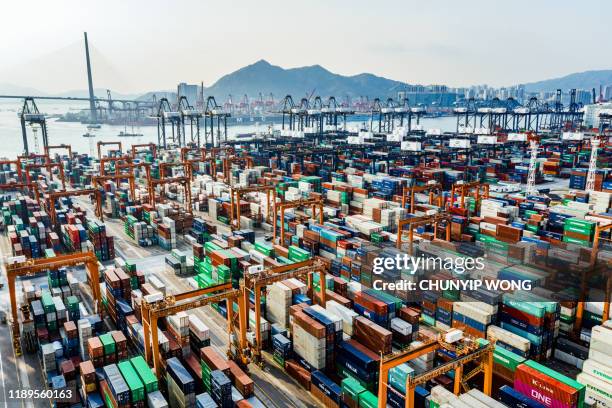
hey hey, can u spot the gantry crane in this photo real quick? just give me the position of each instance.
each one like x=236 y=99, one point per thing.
x=33 y=186
x=49 y=167
x=17 y=164
x=229 y=160
x=164 y=166
x=184 y=181
x=100 y=144
x=465 y=354
x=151 y=147
x=59 y=147
x=418 y=221
x=280 y=207
x=51 y=197
x=606 y=273
x=98 y=180
x=15 y=268
x=152 y=312
x=259 y=280
x=236 y=194
x=431 y=189
x=465 y=189
x=132 y=166
x=116 y=160
x=30 y=115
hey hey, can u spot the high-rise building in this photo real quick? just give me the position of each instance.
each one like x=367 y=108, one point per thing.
x=188 y=91
x=584 y=96
x=607 y=92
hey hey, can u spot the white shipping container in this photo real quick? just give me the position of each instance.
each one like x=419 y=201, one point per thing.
x=597 y=389
x=401 y=326
x=509 y=338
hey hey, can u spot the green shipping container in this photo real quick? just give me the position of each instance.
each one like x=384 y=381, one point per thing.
x=368 y=400
x=507 y=359
x=576 y=241
x=108 y=343
x=133 y=381
x=145 y=373
x=352 y=388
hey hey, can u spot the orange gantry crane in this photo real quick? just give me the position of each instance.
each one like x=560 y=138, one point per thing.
x=482 y=354
x=413 y=222
x=58 y=147
x=16 y=267
x=170 y=305
x=281 y=207
x=258 y=281
x=51 y=197
x=183 y=180
x=98 y=180
x=17 y=164
x=247 y=161
x=116 y=160
x=434 y=190
x=101 y=143
x=132 y=166
x=151 y=147
x=49 y=166
x=163 y=166
x=480 y=190
x=33 y=186
x=236 y=195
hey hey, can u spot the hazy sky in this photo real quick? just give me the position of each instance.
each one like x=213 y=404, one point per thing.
x=150 y=45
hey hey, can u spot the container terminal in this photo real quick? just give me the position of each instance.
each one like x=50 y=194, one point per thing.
x=265 y=271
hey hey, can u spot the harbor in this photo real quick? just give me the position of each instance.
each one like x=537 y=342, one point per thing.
x=297 y=237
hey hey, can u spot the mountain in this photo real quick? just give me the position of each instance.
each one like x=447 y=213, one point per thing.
x=267 y=78
x=10 y=89
x=579 y=80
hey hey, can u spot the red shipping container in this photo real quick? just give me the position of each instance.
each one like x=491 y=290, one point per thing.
x=544 y=389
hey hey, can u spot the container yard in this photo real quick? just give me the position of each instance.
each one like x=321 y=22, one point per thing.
x=334 y=270
x=397 y=245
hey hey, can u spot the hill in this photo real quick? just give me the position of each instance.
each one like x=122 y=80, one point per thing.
x=267 y=78
x=578 y=80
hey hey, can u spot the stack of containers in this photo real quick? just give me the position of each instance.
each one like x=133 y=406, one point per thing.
x=137 y=391
x=85 y=332
x=547 y=386
x=532 y=319
x=181 y=385
x=114 y=388
x=357 y=361
x=166 y=234
x=281 y=346
x=199 y=334
x=211 y=361
x=103 y=245
x=309 y=340
x=221 y=389
x=596 y=373
x=178 y=327
x=278 y=301
x=325 y=390
x=145 y=374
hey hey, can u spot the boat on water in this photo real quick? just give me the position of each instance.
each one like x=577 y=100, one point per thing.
x=94 y=126
x=88 y=135
x=129 y=134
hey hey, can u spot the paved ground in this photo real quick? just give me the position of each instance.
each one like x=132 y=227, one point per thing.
x=272 y=385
